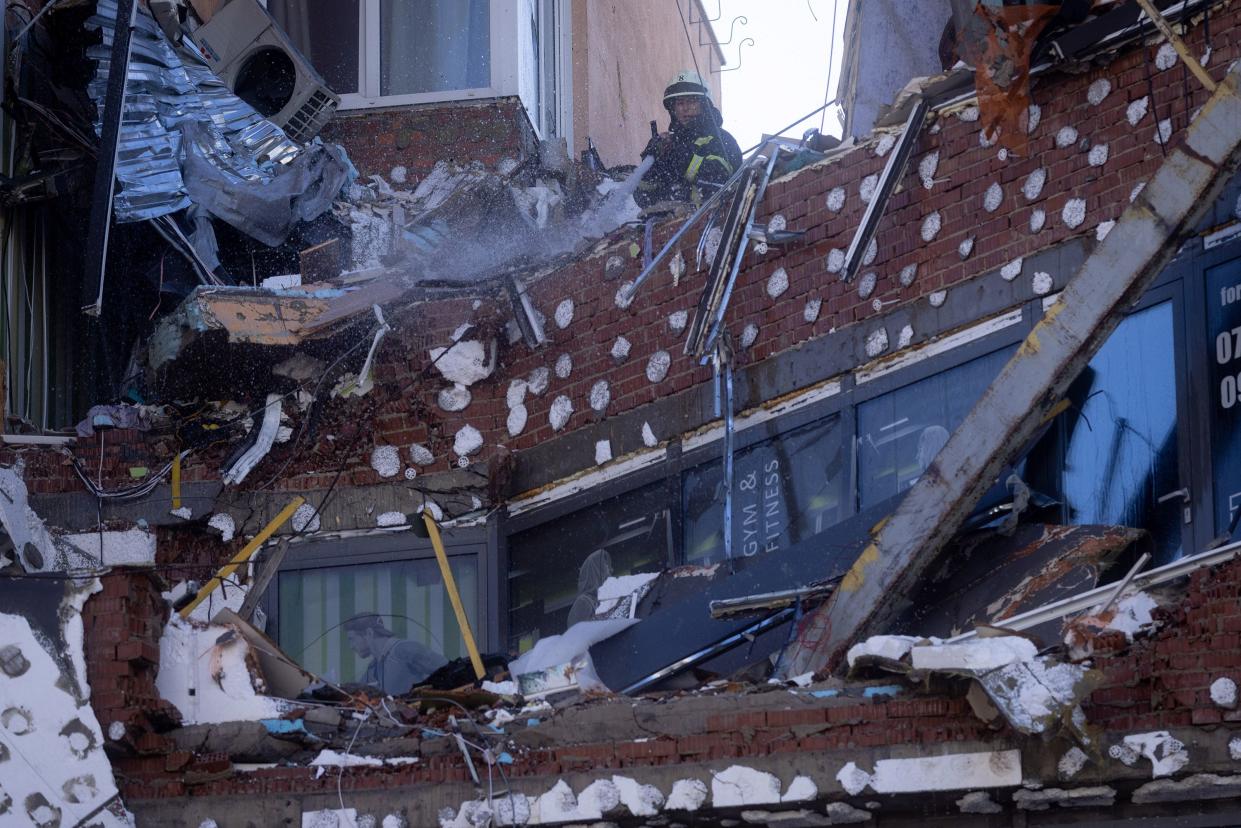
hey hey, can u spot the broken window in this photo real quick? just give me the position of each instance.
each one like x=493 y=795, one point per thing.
x=784 y=490
x=548 y=568
x=899 y=433
x=407 y=597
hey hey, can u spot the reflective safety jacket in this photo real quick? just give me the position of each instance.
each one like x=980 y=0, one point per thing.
x=692 y=161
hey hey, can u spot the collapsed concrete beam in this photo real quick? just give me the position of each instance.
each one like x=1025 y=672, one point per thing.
x=1108 y=284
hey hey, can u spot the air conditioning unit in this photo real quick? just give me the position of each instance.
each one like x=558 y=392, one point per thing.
x=258 y=62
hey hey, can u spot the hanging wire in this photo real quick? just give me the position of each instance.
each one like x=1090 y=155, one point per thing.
x=831 y=65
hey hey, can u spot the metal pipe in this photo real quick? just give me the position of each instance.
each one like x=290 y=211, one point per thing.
x=727 y=607
x=711 y=650
x=741 y=248
x=728 y=456
x=628 y=293
x=109 y=149
x=1086 y=600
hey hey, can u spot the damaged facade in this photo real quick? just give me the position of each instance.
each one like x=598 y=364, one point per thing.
x=661 y=465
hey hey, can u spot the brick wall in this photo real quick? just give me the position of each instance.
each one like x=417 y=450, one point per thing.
x=1165 y=682
x=122 y=625
x=1158 y=683
x=402 y=409
x=418 y=136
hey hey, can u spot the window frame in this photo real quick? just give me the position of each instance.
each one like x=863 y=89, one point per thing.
x=677 y=461
x=403 y=545
x=505 y=61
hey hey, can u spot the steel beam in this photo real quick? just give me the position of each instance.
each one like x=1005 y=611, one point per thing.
x=105 y=169
x=1106 y=287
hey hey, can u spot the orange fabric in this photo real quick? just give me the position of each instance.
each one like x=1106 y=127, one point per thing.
x=998 y=42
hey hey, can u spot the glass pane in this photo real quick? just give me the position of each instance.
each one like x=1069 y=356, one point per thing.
x=434 y=45
x=407 y=596
x=1120 y=437
x=1224 y=330
x=784 y=491
x=326 y=32
x=900 y=433
x=548 y=569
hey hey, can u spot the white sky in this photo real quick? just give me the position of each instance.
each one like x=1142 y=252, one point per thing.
x=784 y=74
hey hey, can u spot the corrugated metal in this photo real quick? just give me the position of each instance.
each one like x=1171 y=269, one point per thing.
x=167 y=86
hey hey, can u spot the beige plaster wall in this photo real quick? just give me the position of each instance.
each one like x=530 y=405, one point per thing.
x=624 y=54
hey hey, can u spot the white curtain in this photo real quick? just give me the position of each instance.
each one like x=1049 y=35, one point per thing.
x=326 y=32
x=434 y=45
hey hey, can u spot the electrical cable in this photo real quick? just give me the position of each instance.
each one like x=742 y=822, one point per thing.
x=831 y=64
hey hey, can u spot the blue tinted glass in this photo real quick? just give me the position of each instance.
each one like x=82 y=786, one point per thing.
x=1120 y=439
x=900 y=433
x=1224 y=330
x=785 y=490
x=554 y=565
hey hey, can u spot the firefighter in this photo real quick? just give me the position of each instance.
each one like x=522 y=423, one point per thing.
x=695 y=156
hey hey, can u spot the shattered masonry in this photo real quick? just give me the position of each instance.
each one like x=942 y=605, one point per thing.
x=529 y=388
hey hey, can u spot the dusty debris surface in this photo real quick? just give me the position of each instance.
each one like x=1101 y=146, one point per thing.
x=462 y=492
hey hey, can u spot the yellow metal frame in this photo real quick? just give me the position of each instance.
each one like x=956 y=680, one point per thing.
x=243 y=556
x=450 y=585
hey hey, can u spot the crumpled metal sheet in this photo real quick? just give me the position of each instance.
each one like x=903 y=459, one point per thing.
x=987 y=578
x=166 y=87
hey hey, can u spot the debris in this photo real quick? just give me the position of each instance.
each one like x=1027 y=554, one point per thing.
x=1071 y=763
x=1195 y=788
x=739 y=785
x=979 y=802
x=1167 y=755
x=1096 y=797
x=974 y=656
x=46 y=693
x=853 y=779
x=951 y=772
x=464 y=362
x=244 y=464
x=686 y=795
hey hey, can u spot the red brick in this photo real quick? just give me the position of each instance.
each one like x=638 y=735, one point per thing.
x=797 y=716
x=734 y=722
